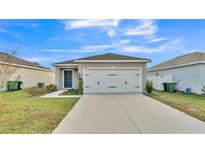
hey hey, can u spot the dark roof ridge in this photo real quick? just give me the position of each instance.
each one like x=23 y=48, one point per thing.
x=190 y=53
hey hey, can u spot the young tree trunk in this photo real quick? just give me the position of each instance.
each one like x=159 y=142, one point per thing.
x=7 y=68
x=1 y=95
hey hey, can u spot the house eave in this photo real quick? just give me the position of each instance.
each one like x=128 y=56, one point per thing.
x=28 y=67
x=63 y=65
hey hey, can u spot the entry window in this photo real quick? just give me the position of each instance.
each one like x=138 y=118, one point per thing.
x=68 y=79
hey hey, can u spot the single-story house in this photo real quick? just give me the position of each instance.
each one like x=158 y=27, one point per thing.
x=106 y=73
x=30 y=73
x=188 y=71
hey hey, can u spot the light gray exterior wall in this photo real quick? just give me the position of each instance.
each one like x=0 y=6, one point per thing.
x=82 y=66
x=192 y=76
x=136 y=64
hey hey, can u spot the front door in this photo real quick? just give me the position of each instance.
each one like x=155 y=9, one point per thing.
x=68 y=79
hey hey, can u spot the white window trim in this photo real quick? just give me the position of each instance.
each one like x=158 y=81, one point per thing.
x=83 y=69
x=141 y=86
x=72 y=78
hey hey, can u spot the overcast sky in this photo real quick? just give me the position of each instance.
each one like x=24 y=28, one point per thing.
x=49 y=41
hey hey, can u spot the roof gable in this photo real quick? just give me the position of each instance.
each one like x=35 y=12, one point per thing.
x=111 y=56
x=105 y=57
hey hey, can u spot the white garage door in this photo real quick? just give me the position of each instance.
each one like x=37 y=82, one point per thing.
x=112 y=80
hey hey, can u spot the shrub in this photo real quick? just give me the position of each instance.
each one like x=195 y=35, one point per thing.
x=80 y=85
x=38 y=91
x=149 y=87
x=70 y=92
x=203 y=89
x=51 y=87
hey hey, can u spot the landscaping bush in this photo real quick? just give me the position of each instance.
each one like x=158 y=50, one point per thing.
x=149 y=87
x=80 y=85
x=203 y=89
x=51 y=87
x=36 y=91
x=39 y=91
x=71 y=92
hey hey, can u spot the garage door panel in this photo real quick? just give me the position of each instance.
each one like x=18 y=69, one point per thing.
x=112 y=81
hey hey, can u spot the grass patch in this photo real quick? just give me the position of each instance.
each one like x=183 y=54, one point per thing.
x=191 y=104
x=21 y=113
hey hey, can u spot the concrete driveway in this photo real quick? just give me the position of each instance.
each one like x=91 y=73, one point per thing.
x=126 y=113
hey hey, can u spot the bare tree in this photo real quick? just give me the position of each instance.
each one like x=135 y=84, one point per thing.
x=7 y=69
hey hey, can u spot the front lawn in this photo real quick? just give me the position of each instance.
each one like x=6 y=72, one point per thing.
x=22 y=113
x=191 y=104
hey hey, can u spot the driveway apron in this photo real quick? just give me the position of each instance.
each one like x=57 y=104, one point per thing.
x=126 y=113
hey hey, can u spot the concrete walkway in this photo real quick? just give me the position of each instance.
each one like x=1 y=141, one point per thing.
x=56 y=94
x=126 y=113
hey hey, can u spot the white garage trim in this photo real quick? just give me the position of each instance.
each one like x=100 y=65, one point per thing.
x=115 y=68
x=83 y=79
x=112 y=68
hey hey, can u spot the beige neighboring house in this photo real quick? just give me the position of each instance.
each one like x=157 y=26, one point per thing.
x=106 y=73
x=30 y=73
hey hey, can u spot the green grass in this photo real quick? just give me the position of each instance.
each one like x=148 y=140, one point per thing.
x=191 y=104
x=21 y=113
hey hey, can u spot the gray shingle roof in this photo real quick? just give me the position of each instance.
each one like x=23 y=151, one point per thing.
x=19 y=61
x=67 y=62
x=193 y=57
x=107 y=56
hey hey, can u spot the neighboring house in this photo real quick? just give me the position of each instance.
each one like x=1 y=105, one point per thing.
x=188 y=71
x=30 y=73
x=106 y=73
